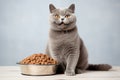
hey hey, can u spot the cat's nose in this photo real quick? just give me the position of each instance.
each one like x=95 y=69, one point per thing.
x=62 y=19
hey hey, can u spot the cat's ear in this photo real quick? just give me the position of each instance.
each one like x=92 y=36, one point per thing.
x=72 y=8
x=51 y=7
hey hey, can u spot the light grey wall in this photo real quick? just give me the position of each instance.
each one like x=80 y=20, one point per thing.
x=24 y=28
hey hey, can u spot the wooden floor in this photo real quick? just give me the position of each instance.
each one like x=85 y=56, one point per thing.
x=13 y=73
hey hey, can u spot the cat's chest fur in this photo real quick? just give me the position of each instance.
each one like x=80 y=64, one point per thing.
x=63 y=42
x=63 y=36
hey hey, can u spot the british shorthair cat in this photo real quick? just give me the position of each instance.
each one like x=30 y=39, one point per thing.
x=65 y=45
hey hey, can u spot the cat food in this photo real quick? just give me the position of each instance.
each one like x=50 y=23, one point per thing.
x=42 y=64
x=42 y=59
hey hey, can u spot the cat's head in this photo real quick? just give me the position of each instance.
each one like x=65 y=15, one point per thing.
x=62 y=19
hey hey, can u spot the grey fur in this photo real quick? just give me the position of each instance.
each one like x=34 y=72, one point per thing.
x=64 y=44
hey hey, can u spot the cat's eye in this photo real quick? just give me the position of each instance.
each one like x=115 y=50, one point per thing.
x=67 y=16
x=57 y=16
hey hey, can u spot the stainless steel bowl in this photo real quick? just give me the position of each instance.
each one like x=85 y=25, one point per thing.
x=34 y=69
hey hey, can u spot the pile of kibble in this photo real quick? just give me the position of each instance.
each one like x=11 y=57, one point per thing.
x=38 y=59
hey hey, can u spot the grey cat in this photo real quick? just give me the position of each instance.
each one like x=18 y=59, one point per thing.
x=65 y=45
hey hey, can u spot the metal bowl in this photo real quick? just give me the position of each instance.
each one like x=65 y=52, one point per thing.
x=35 y=69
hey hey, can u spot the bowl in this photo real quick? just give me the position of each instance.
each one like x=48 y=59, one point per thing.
x=37 y=69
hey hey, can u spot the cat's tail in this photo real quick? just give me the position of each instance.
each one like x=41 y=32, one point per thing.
x=99 y=67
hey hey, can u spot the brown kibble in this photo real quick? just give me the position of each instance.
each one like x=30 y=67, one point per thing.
x=45 y=63
x=42 y=62
x=42 y=57
x=47 y=60
x=38 y=59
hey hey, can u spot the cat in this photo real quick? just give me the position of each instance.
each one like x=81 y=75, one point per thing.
x=65 y=45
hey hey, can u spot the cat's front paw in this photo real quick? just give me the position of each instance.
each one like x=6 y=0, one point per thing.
x=69 y=73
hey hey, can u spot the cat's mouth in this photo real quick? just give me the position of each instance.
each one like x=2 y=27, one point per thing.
x=62 y=23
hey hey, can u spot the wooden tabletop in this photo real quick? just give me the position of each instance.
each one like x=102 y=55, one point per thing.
x=14 y=73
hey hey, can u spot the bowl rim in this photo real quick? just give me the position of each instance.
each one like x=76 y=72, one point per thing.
x=37 y=64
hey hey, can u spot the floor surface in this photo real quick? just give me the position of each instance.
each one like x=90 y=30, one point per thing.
x=13 y=73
